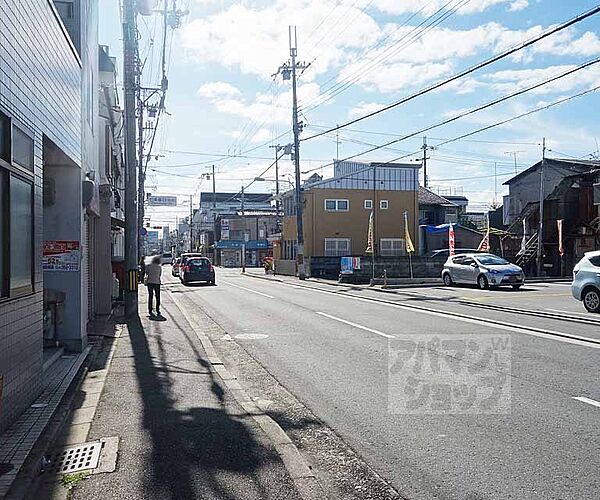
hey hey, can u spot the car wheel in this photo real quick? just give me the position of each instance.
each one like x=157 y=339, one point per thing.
x=516 y=287
x=447 y=279
x=482 y=282
x=591 y=300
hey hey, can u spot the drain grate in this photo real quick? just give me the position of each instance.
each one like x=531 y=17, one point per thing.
x=75 y=458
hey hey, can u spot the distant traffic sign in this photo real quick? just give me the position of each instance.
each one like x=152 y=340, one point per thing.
x=162 y=201
x=143 y=231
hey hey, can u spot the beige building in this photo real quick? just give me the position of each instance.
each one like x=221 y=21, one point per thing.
x=337 y=210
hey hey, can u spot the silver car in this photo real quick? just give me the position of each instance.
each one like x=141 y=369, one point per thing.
x=586 y=281
x=482 y=269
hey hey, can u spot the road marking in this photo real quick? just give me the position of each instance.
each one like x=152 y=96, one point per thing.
x=248 y=289
x=585 y=315
x=588 y=401
x=356 y=325
x=548 y=334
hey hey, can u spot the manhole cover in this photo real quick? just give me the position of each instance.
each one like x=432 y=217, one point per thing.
x=75 y=458
x=251 y=336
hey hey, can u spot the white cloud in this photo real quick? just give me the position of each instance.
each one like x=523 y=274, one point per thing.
x=518 y=5
x=265 y=110
x=363 y=108
x=214 y=90
x=428 y=7
x=255 y=39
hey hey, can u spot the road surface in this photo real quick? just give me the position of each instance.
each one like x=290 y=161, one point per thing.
x=393 y=375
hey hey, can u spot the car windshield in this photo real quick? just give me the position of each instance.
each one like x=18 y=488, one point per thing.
x=491 y=260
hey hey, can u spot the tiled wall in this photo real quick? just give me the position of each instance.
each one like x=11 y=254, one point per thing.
x=40 y=88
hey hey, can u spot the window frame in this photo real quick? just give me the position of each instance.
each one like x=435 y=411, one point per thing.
x=337 y=251
x=368 y=204
x=401 y=250
x=10 y=169
x=337 y=208
x=381 y=204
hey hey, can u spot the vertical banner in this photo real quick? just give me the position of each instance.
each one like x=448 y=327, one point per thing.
x=410 y=248
x=484 y=246
x=370 y=235
x=451 y=245
x=561 y=249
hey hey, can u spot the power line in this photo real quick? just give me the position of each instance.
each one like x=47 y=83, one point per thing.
x=493 y=125
x=483 y=64
x=475 y=110
x=404 y=42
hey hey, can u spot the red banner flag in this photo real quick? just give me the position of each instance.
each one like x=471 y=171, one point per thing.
x=451 y=240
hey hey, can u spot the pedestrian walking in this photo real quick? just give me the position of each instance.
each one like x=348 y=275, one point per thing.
x=153 y=273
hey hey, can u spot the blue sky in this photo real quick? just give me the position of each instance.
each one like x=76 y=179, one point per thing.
x=222 y=99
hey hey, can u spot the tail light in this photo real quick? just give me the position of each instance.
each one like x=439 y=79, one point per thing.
x=187 y=269
x=210 y=268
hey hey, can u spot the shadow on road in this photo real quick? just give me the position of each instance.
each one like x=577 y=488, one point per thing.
x=198 y=452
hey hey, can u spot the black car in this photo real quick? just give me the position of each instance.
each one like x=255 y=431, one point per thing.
x=197 y=269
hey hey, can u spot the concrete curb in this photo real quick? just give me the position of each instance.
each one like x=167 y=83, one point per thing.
x=297 y=467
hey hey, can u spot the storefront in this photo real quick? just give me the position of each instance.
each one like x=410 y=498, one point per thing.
x=229 y=252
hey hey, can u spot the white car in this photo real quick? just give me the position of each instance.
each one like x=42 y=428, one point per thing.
x=586 y=281
x=482 y=269
x=166 y=258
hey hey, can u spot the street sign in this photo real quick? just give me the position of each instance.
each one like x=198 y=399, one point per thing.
x=162 y=201
x=143 y=231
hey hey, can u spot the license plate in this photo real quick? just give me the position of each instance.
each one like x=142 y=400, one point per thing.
x=513 y=279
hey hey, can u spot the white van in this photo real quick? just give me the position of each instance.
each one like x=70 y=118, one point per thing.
x=166 y=258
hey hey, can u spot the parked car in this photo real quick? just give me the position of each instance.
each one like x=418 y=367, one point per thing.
x=183 y=260
x=445 y=252
x=197 y=269
x=175 y=266
x=586 y=281
x=483 y=270
x=166 y=258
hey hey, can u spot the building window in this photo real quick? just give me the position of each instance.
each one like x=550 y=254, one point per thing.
x=22 y=149
x=21 y=235
x=4 y=138
x=337 y=205
x=368 y=204
x=16 y=210
x=391 y=247
x=337 y=247
x=384 y=204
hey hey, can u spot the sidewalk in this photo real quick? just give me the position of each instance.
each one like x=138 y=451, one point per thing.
x=182 y=435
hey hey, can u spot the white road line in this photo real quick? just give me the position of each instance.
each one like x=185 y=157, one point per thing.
x=588 y=401
x=572 y=339
x=356 y=325
x=248 y=289
x=585 y=315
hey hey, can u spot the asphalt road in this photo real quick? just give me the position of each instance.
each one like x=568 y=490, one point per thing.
x=479 y=405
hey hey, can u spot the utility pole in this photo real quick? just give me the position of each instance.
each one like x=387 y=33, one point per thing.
x=244 y=240
x=191 y=224
x=297 y=129
x=495 y=184
x=141 y=175
x=425 y=148
x=277 y=204
x=131 y=217
x=540 y=247
x=514 y=155
x=337 y=144
x=289 y=69
x=214 y=213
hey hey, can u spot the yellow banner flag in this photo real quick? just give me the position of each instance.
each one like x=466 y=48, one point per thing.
x=370 y=235
x=410 y=248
